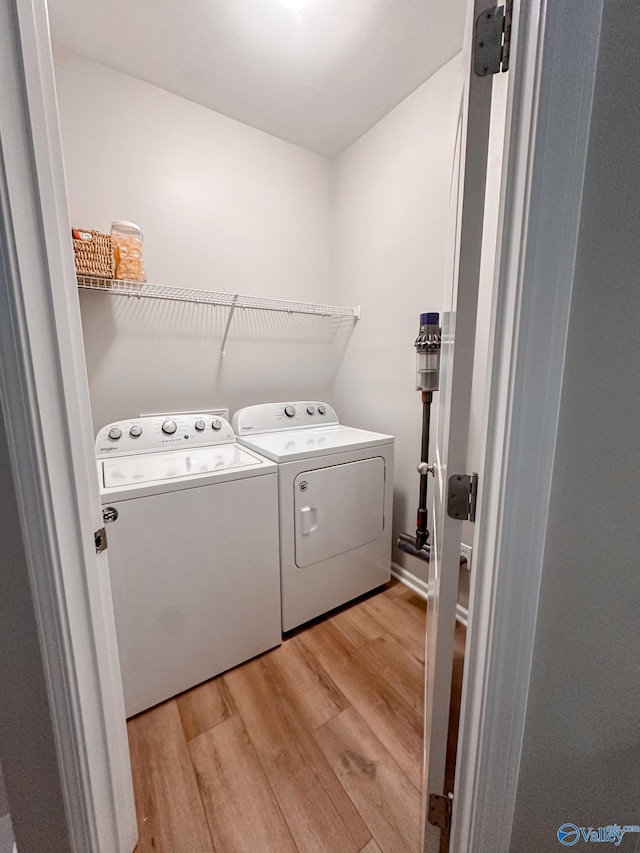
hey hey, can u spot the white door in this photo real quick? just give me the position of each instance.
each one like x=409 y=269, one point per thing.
x=449 y=451
x=43 y=384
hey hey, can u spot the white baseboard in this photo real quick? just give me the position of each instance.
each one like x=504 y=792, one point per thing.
x=421 y=588
x=462 y=615
x=406 y=577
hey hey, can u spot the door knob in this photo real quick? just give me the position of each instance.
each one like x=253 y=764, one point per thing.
x=424 y=468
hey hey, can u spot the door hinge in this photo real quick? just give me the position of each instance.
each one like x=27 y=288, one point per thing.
x=492 y=40
x=439 y=815
x=462 y=497
x=100 y=537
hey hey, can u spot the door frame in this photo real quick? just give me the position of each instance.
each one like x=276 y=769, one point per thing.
x=40 y=339
x=59 y=601
x=549 y=112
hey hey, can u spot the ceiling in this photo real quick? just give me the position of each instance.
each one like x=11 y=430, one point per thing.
x=319 y=77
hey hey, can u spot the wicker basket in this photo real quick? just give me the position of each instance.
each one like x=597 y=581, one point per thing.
x=93 y=253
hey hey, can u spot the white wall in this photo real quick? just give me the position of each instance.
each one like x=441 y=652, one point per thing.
x=223 y=207
x=391 y=197
x=228 y=207
x=581 y=750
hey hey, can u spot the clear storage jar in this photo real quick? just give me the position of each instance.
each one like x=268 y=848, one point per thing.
x=127 y=249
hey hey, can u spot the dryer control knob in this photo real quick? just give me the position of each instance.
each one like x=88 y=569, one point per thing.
x=216 y=424
x=169 y=427
x=135 y=431
x=289 y=411
x=311 y=410
x=200 y=425
x=115 y=433
x=322 y=410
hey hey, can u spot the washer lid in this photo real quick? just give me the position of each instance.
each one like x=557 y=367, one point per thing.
x=153 y=467
x=290 y=445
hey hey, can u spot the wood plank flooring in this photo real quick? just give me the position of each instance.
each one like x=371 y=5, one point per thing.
x=313 y=747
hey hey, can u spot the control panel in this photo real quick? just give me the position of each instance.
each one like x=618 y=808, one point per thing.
x=162 y=432
x=274 y=417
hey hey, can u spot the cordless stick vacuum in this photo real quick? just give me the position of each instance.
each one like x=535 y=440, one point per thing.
x=428 y=344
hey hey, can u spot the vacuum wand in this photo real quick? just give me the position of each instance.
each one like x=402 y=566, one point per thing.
x=422 y=534
x=428 y=345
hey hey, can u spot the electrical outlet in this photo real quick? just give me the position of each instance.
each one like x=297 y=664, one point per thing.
x=466 y=551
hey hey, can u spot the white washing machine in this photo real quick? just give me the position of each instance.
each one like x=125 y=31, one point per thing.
x=335 y=486
x=192 y=530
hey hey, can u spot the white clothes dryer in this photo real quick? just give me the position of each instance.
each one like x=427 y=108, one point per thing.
x=192 y=530
x=335 y=486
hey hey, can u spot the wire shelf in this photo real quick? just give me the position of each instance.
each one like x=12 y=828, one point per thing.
x=118 y=287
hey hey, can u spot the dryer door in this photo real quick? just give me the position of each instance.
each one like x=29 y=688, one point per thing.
x=337 y=509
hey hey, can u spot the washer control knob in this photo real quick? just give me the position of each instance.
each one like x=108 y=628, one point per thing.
x=216 y=424
x=311 y=410
x=289 y=411
x=115 y=433
x=199 y=425
x=322 y=410
x=169 y=427
x=135 y=431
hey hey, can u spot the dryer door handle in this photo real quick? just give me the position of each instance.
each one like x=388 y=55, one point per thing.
x=308 y=519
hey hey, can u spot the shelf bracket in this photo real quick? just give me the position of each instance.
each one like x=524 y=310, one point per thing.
x=228 y=326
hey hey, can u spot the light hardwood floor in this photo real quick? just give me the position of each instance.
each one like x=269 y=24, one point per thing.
x=314 y=747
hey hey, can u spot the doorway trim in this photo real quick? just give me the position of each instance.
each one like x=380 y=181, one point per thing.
x=544 y=166
x=62 y=585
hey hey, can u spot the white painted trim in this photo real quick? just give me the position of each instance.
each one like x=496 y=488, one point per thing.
x=550 y=111
x=407 y=578
x=43 y=388
x=462 y=615
x=421 y=588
